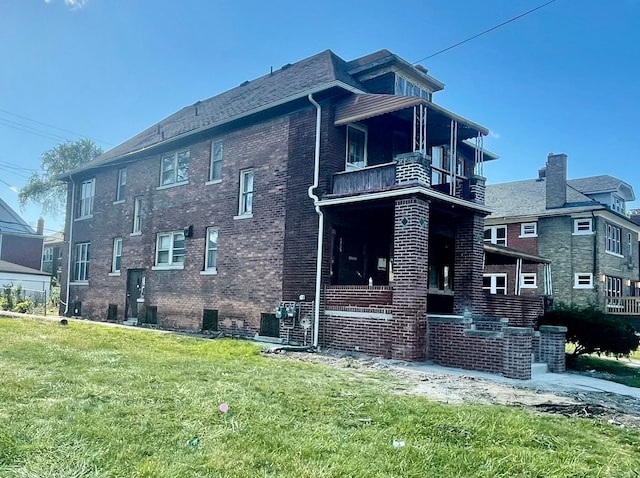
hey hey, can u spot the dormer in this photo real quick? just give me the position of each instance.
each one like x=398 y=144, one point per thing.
x=385 y=73
x=607 y=190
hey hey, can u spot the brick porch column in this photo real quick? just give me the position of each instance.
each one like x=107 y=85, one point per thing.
x=469 y=251
x=552 y=344
x=410 y=279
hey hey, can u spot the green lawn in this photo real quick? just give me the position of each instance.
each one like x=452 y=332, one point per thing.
x=92 y=401
x=617 y=370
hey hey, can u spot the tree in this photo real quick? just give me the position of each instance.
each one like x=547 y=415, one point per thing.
x=45 y=188
x=592 y=331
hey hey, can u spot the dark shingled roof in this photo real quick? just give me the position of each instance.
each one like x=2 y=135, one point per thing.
x=311 y=73
x=12 y=268
x=602 y=184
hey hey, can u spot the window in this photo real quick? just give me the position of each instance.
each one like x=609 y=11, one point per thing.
x=122 y=182
x=613 y=286
x=617 y=204
x=47 y=254
x=215 y=169
x=137 y=216
x=496 y=235
x=356 y=147
x=117 y=254
x=81 y=262
x=170 y=250
x=528 y=280
x=211 y=253
x=583 y=281
x=404 y=87
x=246 y=193
x=529 y=229
x=495 y=283
x=175 y=168
x=612 y=239
x=582 y=226
x=87 y=192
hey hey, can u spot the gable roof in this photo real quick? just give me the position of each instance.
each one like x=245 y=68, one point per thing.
x=603 y=184
x=312 y=74
x=12 y=268
x=10 y=221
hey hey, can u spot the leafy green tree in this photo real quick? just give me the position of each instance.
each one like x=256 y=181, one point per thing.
x=45 y=188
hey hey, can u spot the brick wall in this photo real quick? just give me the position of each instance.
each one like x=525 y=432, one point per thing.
x=469 y=253
x=339 y=296
x=521 y=311
x=552 y=347
x=373 y=336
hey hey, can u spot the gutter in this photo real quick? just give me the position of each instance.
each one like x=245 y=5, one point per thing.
x=73 y=199
x=310 y=192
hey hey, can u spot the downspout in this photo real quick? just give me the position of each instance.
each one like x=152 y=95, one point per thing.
x=73 y=200
x=310 y=192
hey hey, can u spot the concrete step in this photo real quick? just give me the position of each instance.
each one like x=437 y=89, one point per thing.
x=539 y=368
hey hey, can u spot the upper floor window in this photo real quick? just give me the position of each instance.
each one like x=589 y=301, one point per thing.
x=617 y=204
x=582 y=226
x=87 y=193
x=612 y=239
x=215 y=169
x=356 y=147
x=583 y=281
x=496 y=235
x=137 y=216
x=81 y=262
x=613 y=286
x=630 y=245
x=47 y=254
x=117 y=255
x=170 y=249
x=528 y=280
x=404 y=87
x=529 y=229
x=175 y=168
x=246 y=192
x=122 y=183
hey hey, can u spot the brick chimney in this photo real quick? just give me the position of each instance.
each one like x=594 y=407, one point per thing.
x=556 y=180
x=40 y=226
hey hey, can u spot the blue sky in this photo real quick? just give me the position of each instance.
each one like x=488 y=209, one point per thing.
x=563 y=79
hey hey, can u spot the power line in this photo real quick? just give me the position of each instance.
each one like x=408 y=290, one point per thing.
x=486 y=31
x=29 y=129
x=75 y=133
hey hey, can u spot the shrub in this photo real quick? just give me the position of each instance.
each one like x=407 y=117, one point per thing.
x=24 y=306
x=592 y=331
x=4 y=303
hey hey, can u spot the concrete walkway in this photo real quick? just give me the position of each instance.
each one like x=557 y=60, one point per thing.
x=552 y=382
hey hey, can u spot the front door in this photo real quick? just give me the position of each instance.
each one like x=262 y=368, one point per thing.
x=135 y=291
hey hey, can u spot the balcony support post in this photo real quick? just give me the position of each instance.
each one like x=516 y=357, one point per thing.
x=453 y=156
x=420 y=128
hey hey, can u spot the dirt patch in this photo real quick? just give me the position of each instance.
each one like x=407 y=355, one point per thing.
x=606 y=407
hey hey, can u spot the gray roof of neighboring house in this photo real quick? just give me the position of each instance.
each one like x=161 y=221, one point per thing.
x=10 y=221
x=527 y=198
x=601 y=184
x=12 y=268
x=315 y=72
x=55 y=238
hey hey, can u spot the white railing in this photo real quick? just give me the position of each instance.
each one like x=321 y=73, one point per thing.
x=622 y=305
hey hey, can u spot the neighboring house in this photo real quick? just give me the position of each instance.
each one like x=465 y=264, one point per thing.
x=19 y=243
x=34 y=283
x=580 y=225
x=52 y=254
x=328 y=202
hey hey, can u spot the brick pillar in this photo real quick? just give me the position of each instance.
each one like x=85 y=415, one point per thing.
x=517 y=352
x=410 y=279
x=552 y=342
x=413 y=167
x=467 y=279
x=476 y=188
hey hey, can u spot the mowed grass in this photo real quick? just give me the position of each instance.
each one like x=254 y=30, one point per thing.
x=618 y=370
x=93 y=401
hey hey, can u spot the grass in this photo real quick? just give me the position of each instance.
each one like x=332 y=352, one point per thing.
x=617 y=370
x=92 y=401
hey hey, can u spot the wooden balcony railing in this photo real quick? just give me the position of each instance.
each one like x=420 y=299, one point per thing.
x=622 y=305
x=374 y=178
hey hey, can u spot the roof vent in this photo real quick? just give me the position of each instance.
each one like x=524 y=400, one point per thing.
x=244 y=83
x=284 y=67
x=421 y=69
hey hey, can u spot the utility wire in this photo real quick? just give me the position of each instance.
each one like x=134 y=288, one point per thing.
x=29 y=129
x=75 y=133
x=484 y=32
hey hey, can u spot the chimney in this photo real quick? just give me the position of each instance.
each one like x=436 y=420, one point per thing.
x=556 y=180
x=40 y=226
x=542 y=173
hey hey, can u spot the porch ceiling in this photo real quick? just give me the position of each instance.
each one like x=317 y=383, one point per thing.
x=364 y=106
x=499 y=255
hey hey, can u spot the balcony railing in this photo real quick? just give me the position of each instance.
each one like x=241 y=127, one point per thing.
x=374 y=178
x=622 y=305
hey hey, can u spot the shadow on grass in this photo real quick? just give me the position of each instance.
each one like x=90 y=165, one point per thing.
x=617 y=370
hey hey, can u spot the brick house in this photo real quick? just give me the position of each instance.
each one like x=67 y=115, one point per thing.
x=330 y=203
x=19 y=243
x=52 y=254
x=580 y=225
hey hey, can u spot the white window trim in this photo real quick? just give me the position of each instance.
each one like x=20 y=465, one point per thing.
x=212 y=160
x=175 y=183
x=137 y=213
x=525 y=234
x=47 y=254
x=114 y=256
x=523 y=285
x=210 y=270
x=121 y=172
x=576 y=232
x=363 y=128
x=81 y=200
x=611 y=229
x=493 y=289
x=87 y=261
x=241 y=193
x=169 y=265
x=494 y=234
x=577 y=285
